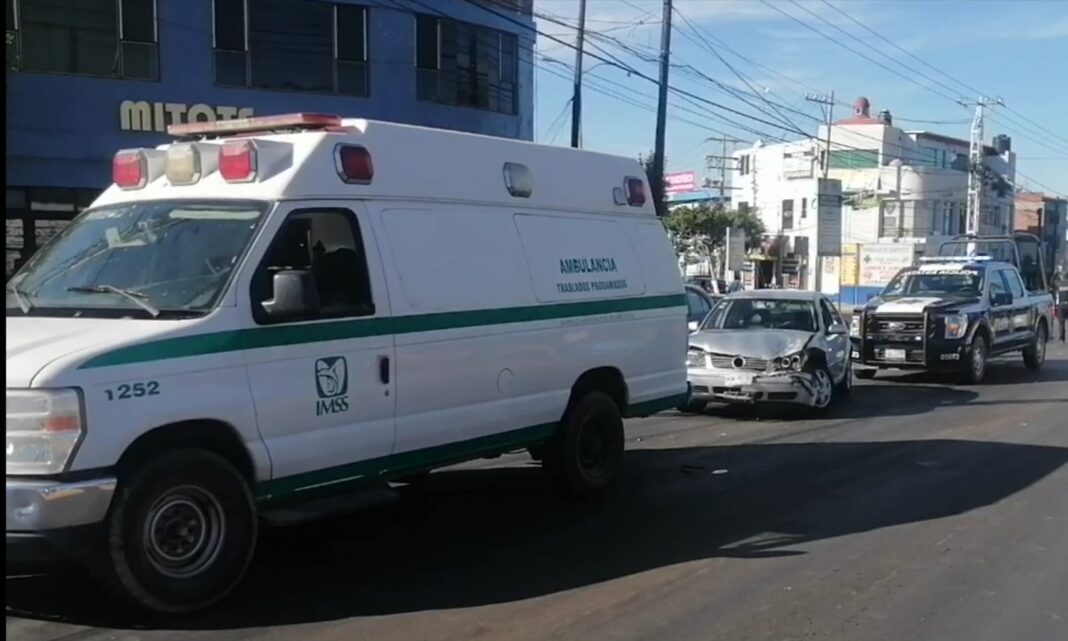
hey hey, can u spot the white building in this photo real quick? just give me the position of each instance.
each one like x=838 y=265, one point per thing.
x=899 y=187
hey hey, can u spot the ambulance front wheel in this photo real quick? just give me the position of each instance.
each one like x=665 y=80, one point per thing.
x=180 y=533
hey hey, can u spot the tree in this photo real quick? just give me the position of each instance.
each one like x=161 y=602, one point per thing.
x=702 y=229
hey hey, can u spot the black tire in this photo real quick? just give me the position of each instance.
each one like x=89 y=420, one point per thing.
x=975 y=363
x=866 y=374
x=586 y=454
x=180 y=533
x=692 y=407
x=1035 y=355
x=845 y=387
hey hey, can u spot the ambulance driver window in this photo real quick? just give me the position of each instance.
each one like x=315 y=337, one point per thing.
x=328 y=245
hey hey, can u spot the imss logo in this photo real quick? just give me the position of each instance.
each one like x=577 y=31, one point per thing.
x=332 y=384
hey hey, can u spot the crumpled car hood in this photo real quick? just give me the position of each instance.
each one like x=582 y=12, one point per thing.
x=753 y=343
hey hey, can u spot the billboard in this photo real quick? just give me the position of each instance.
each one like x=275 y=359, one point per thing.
x=680 y=181
x=880 y=263
x=829 y=218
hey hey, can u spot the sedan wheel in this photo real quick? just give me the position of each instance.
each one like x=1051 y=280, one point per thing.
x=822 y=389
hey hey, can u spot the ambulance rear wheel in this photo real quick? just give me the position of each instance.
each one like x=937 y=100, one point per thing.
x=180 y=533
x=586 y=454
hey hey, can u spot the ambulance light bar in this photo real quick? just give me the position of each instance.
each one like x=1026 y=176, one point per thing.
x=260 y=123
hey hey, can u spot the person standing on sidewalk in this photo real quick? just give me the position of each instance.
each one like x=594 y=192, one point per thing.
x=1060 y=293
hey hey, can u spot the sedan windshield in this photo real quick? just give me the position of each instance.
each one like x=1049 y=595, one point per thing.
x=761 y=313
x=961 y=283
x=159 y=258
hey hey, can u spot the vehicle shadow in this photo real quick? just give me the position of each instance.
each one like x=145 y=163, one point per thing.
x=477 y=537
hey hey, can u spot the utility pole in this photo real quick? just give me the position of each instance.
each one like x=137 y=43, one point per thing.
x=826 y=104
x=576 y=100
x=661 y=110
x=976 y=168
x=720 y=163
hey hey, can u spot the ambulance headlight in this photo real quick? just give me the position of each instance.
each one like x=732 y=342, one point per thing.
x=43 y=429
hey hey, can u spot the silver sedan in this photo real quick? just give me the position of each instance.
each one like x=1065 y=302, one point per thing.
x=770 y=346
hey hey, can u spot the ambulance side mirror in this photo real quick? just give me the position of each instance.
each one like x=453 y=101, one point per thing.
x=295 y=296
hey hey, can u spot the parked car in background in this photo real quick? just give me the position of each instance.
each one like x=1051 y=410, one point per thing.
x=713 y=286
x=778 y=346
x=698 y=304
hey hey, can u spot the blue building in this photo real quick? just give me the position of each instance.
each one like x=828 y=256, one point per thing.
x=86 y=78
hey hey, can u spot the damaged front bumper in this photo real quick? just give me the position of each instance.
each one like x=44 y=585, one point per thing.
x=734 y=386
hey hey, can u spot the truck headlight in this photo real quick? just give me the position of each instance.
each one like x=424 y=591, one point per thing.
x=696 y=358
x=956 y=325
x=791 y=363
x=43 y=428
x=854 y=325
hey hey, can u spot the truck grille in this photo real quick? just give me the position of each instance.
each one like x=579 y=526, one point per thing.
x=893 y=326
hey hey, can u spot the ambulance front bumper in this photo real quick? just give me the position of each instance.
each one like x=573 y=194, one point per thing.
x=45 y=520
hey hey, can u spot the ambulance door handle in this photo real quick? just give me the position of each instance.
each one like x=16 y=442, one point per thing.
x=383 y=369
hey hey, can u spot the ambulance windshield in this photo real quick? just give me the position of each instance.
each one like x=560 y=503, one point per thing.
x=158 y=259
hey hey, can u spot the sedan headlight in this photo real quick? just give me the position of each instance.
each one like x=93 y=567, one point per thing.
x=696 y=358
x=956 y=325
x=854 y=325
x=791 y=363
x=43 y=428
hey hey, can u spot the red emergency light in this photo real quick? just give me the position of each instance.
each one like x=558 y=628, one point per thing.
x=256 y=123
x=237 y=161
x=354 y=164
x=129 y=169
x=635 y=189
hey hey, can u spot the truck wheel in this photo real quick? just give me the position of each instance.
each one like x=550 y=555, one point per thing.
x=1035 y=355
x=866 y=374
x=586 y=455
x=976 y=362
x=180 y=533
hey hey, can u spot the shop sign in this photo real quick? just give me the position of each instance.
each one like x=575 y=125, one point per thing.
x=141 y=115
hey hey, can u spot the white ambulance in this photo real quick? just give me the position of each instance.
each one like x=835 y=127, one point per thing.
x=278 y=317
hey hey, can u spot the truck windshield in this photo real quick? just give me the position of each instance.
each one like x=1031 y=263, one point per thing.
x=961 y=283
x=159 y=259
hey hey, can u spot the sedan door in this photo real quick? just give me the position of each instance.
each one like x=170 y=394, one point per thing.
x=837 y=344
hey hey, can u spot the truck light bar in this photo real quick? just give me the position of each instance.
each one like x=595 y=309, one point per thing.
x=954 y=259
x=262 y=123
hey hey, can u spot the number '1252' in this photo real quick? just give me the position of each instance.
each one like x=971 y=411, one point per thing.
x=133 y=390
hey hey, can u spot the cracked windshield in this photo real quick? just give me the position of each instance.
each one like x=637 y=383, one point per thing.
x=681 y=320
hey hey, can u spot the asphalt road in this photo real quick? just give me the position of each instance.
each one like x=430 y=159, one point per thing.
x=918 y=510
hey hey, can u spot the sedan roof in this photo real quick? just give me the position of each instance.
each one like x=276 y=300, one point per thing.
x=776 y=294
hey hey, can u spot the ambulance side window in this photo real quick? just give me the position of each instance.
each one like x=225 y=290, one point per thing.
x=327 y=243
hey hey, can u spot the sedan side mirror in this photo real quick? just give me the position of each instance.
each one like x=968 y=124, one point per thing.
x=693 y=326
x=838 y=329
x=295 y=296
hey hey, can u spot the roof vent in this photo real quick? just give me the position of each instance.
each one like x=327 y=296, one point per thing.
x=885 y=116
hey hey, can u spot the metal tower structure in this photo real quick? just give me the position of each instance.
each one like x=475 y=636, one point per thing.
x=976 y=167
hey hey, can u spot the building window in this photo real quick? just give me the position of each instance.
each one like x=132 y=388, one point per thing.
x=850 y=159
x=743 y=207
x=104 y=38
x=525 y=7
x=291 y=45
x=804 y=208
x=744 y=167
x=34 y=215
x=787 y=214
x=465 y=65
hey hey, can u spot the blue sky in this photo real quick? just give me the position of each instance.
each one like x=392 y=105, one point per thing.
x=1016 y=50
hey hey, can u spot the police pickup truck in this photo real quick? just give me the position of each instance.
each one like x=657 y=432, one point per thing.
x=952 y=313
